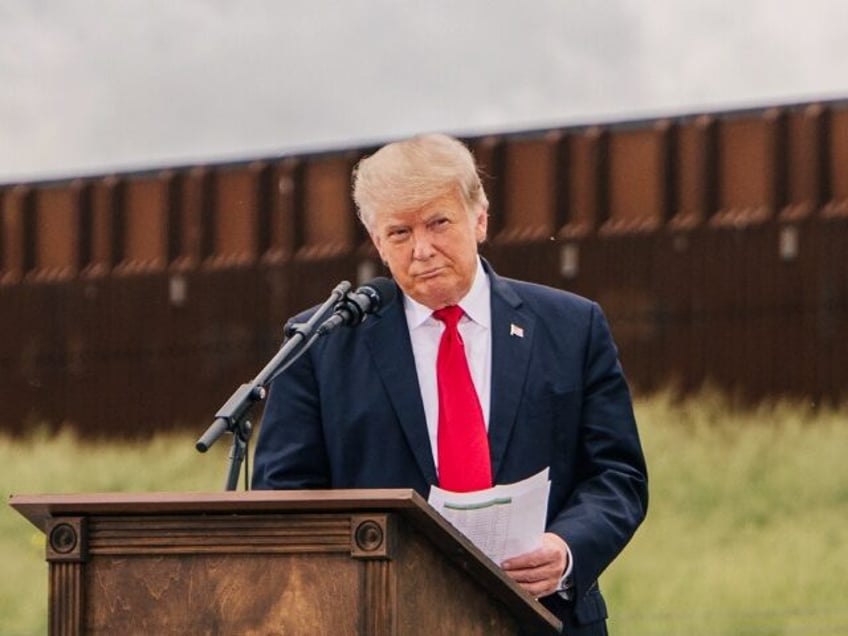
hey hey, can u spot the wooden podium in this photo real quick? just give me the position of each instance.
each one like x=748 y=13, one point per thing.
x=370 y=562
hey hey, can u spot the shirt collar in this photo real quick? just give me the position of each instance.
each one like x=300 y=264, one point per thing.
x=476 y=303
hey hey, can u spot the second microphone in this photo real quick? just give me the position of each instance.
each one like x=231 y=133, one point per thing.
x=367 y=299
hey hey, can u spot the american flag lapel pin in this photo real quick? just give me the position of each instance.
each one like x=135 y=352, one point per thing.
x=515 y=330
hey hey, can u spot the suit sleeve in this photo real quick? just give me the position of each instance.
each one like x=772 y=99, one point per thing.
x=290 y=452
x=610 y=496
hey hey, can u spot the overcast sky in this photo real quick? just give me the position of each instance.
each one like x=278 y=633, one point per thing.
x=93 y=86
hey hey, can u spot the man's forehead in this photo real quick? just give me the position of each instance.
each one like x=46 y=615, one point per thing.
x=440 y=205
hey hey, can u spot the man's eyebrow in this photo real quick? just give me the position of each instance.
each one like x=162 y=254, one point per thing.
x=436 y=213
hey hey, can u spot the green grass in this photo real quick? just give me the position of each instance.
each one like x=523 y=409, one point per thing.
x=64 y=464
x=747 y=531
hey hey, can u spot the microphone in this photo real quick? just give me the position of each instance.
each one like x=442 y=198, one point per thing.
x=354 y=306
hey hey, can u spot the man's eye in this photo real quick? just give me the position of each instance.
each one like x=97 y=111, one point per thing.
x=396 y=235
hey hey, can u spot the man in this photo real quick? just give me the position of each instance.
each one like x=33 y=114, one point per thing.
x=369 y=407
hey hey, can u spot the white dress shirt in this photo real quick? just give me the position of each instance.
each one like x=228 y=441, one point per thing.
x=475 y=327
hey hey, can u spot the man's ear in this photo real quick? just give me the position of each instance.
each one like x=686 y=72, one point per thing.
x=481 y=222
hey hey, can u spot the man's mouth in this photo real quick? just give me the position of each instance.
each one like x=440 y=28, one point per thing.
x=431 y=273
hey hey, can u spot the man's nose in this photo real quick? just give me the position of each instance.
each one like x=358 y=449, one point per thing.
x=422 y=247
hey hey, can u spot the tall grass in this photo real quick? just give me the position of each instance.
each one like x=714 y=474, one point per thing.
x=747 y=531
x=44 y=463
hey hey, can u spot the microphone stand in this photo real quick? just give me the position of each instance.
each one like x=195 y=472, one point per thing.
x=232 y=416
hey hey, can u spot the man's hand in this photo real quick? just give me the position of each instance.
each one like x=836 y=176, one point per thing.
x=539 y=572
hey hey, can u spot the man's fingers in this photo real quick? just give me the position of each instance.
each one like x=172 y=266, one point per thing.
x=534 y=585
x=539 y=572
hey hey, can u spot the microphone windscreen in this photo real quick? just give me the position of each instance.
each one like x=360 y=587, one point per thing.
x=385 y=288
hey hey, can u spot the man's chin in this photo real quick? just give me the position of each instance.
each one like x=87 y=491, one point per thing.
x=435 y=296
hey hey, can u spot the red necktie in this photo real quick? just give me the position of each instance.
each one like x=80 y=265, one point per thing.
x=464 y=462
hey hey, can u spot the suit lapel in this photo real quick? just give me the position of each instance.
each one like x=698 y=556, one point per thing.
x=512 y=338
x=387 y=337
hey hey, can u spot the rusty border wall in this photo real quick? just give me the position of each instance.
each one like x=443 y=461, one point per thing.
x=716 y=243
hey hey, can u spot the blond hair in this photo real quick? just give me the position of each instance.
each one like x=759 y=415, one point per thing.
x=409 y=174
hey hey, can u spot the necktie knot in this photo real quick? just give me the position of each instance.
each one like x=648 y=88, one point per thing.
x=449 y=315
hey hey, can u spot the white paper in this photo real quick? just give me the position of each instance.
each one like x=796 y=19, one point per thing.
x=503 y=521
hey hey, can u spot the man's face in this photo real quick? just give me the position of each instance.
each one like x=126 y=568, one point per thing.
x=431 y=251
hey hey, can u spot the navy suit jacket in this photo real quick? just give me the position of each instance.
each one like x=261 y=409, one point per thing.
x=348 y=414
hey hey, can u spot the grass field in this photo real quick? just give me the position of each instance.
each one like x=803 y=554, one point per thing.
x=747 y=531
